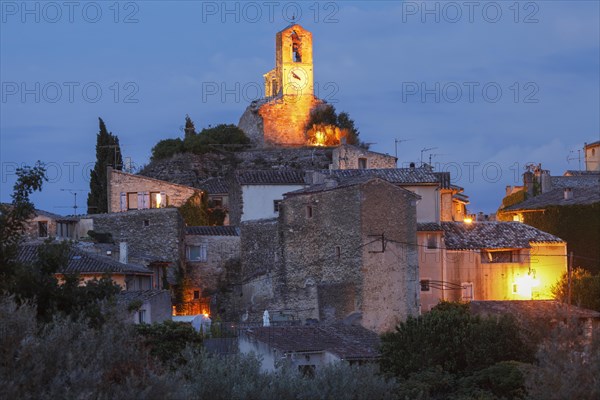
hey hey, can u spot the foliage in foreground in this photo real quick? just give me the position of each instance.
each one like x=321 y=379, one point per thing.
x=585 y=289
x=568 y=365
x=449 y=353
x=71 y=359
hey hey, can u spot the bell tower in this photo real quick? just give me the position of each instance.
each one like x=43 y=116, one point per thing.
x=293 y=73
x=281 y=118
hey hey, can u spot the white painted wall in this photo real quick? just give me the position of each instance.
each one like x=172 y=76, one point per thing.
x=258 y=200
x=271 y=359
x=428 y=208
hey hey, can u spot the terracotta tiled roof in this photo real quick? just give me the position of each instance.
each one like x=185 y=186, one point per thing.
x=83 y=262
x=493 y=235
x=429 y=227
x=212 y=230
x=578 y=181
x=556 y=197
x=271 y=177
x=393 y=175
x=340 y=183
x=572 y=172
x=215 y=186
x=349 y=342
x=142 y=295
x=550 y=309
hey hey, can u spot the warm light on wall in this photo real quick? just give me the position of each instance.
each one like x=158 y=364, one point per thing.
x=158 y=199
x=468 y=220
x=523 y=285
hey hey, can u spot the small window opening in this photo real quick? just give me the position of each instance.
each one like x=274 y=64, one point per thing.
x=43 y=229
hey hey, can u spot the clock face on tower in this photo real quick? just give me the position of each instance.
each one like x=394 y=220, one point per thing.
x=297 y=78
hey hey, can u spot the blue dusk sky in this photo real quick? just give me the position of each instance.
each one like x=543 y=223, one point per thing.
x=490 y=86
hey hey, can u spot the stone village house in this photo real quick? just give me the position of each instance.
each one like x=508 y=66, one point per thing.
x=461 y=261
x=337 y=250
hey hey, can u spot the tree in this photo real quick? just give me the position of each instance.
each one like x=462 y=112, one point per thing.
x=195 y=210
x=324 y=118
x=167 y=148
x=108 y=153
x=434 y=351
x=190 y=129
x=14 y=216
x=585 y=289
x=223 y=135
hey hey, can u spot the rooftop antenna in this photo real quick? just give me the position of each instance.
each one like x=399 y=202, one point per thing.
x=74 y=193
x=431 y=155
x=425 y=150
x=112 y=146
x=396 y=141
x=578 y=158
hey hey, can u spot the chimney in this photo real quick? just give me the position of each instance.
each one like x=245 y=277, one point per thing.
x=568 y=194
x=546 y=181
x=123 y=256
x=412 y=165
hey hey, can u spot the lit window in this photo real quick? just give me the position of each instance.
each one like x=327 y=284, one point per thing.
x=197 y=253
x=156 y=200
x=425 y=285
x=43 y=229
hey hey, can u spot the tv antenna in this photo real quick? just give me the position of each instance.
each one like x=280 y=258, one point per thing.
x=74 y=193
x=426 y=150
x=431 y=155
x=396 y=141
x=578 y=158
x=116 y=147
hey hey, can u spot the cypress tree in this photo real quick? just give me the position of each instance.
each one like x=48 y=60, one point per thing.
x=108 y=153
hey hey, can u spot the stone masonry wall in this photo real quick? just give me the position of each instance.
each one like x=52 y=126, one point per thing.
x=32 y=227
x=317 y=282
x=154 y=233
x=121 y=182
x=347 y=156
x=220 y=250
x=390 y=268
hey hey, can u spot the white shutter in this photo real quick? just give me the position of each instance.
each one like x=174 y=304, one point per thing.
x=123 y=201
x=146 y=200
x=140 y=204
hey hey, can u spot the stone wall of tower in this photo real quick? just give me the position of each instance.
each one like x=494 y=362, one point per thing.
x=284 y=119
x=284 y=58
